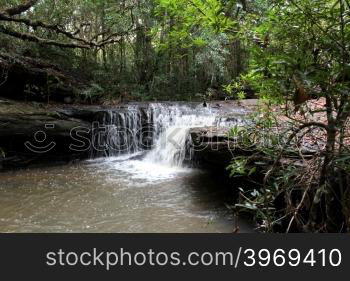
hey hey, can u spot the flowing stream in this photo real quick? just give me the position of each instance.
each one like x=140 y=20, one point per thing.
x=138 y=180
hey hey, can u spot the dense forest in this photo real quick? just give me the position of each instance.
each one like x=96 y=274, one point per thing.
x=134 y=49
x=294 y=56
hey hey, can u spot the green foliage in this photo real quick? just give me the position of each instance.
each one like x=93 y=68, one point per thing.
x=235 y=89
x=239 y=167
x=299 y=50
x=92 y=93
x=189 y=17
x=293 y=39
x=170 y=49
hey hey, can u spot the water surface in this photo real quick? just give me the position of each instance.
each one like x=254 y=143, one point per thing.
x=112 y=195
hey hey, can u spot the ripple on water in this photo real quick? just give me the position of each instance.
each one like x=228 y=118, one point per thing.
x=111 y=195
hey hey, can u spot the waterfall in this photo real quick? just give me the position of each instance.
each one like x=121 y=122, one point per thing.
x=171 y=145
x=117 y=131
x=170 y=149
x=160 y=130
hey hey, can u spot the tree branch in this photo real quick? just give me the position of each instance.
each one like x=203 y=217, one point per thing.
x=290 y=138
x=35 y=39
x=20 y=8
x=77 y=42
x=320 y=27
x=36 y=24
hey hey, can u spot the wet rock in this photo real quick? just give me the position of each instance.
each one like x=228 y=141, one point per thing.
x=83 y=113
x=211 y=146
x=32 y=134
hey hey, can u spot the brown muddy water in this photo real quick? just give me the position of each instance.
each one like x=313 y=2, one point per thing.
x=113 y=195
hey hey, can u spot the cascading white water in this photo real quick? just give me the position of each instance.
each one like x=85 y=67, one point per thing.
x=165 y=127
x=175 y=121
x=118 y=132
x=170 y=148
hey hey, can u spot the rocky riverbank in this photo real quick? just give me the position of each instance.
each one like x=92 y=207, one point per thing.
x=28 y=130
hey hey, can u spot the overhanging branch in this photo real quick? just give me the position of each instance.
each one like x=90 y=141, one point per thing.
x=19 y=9
x=35 y=39
x=10 y=15
x=52 y=27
